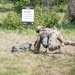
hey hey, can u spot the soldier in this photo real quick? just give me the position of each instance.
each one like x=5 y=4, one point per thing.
x=48 y=37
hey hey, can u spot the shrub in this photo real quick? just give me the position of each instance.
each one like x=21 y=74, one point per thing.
x=12 y=21
x=51 y=19
x=43 y=16
x=46 y=17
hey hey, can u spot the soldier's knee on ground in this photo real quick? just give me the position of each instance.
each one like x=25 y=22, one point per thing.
x=54 y=47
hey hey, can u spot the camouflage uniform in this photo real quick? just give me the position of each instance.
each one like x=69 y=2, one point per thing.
x=48 y=37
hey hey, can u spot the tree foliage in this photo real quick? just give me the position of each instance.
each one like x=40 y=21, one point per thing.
x=12 y=21
x=71 y=10
x=45 y=14
x=46 y=3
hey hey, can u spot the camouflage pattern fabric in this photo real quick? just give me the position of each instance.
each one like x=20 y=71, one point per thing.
x=48 y=37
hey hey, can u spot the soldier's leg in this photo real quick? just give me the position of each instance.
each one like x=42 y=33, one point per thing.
x=68 y=42
x=65 y=42
x=53 y=42
x=60 y=37
x=53 y=47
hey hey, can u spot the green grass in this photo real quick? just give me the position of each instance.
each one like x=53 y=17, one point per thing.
x=29 y=63
x=68 y=29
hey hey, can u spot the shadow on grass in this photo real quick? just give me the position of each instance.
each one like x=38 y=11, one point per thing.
x=43 y=53
x=40 y=52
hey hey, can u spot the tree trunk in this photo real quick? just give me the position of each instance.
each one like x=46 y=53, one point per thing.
x=70 y=13
x=71 y=10
x=47 y=3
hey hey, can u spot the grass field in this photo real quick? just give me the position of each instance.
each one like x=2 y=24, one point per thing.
x=29 y=63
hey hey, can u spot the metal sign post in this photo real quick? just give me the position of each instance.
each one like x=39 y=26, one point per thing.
x=28 y=16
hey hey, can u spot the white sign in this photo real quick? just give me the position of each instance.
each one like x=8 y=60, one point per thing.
x=28 y=15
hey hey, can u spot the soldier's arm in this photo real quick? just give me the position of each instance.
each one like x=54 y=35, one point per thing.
x=37 y=44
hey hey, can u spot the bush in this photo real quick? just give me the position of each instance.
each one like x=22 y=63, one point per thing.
x=51 y=19
x=43 y=16
x=46 y=17
x=13 y=21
